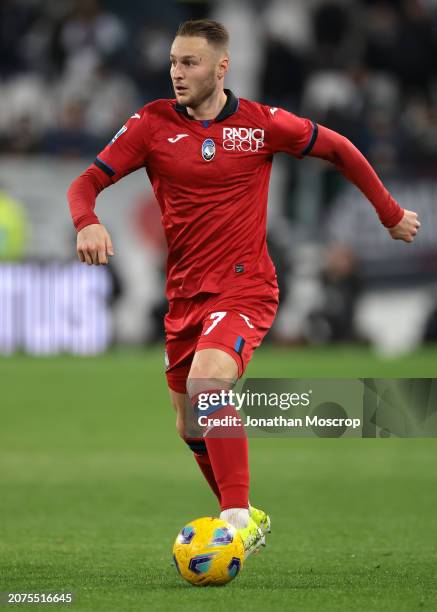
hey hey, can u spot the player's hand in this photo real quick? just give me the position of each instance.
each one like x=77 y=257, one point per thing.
x=94 y=245
x=407 y=227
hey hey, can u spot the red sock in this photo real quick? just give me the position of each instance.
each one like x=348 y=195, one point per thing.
x=230 y=462
x=229 y=458
x=206 y=468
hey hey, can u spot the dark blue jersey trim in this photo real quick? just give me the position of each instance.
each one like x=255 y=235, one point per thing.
x=312 y=139
x=106 y=169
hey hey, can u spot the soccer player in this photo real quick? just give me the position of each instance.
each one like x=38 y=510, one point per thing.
x=208 y=156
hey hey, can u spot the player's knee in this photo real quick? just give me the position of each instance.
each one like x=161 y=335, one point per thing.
x=192 y=389
x=205 y=379
x=213 y=364
x=204 y=385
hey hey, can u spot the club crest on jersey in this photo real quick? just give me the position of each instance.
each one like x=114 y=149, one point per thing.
x=208 y=149
x=121 y=131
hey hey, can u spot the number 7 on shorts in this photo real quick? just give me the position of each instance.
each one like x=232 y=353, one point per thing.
x=216 y=318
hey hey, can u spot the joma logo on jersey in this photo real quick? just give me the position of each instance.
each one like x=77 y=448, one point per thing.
x=243 y=139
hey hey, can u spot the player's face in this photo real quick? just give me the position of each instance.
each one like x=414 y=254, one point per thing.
x=197 y=68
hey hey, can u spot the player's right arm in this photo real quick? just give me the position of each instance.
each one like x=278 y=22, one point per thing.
x=94 y=245
x=126 y=152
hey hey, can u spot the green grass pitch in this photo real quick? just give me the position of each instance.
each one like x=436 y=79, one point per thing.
x=94 y=485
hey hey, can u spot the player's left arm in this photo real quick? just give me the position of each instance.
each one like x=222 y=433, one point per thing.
x=335 y=148
x=301 y=137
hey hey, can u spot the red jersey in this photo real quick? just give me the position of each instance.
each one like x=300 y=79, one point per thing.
x=211 y=180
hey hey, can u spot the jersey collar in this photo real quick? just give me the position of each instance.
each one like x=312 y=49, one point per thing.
x=229 y=108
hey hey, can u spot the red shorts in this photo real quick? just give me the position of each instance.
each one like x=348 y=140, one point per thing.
x=234 y=321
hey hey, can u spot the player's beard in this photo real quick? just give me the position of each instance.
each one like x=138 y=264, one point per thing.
x=206 y=90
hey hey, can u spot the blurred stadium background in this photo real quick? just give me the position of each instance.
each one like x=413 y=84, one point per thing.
x=71 y=72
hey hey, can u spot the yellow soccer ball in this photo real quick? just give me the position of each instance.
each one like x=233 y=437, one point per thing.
x=208 y=551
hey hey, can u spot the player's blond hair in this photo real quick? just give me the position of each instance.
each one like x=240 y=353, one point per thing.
x=213 y=31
